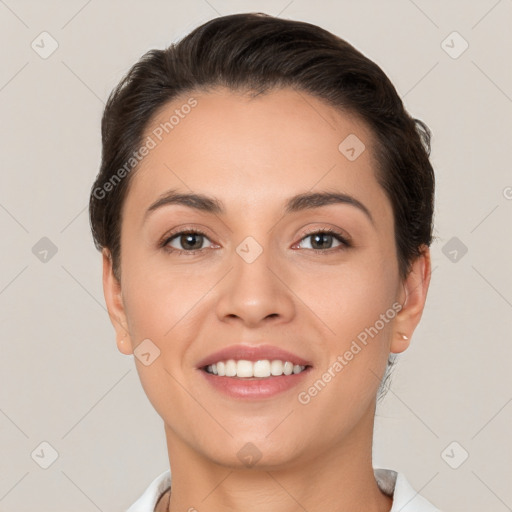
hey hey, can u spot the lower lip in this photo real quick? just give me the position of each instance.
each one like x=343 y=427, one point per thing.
x=255 y=388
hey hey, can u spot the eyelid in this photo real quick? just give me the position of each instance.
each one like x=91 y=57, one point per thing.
x=327 y=228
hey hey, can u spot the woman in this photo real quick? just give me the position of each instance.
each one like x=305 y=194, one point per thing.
x=264 y=210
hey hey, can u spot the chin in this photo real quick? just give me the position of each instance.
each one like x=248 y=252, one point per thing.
x=254 y=452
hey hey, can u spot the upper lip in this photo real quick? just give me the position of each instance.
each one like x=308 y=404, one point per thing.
x=252 y=353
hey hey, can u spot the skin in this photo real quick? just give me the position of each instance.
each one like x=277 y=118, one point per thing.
x=253 y=154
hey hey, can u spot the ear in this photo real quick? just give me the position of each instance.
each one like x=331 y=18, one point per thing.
x=115 y=306
x=412 y=298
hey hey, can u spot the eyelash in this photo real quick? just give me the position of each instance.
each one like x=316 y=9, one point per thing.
x=345 y=244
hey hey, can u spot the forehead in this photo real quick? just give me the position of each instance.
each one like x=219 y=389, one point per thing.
x=247 y=149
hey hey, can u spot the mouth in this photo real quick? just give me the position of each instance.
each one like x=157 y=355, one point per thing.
x=264 y=355
x=256 y=372
x=261 y=369
x=248 y=381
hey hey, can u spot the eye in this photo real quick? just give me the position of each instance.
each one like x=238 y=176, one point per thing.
x=185 y=241
x=191 y=241
x=323 y=239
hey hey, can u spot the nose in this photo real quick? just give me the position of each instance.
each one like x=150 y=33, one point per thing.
x=255 y=293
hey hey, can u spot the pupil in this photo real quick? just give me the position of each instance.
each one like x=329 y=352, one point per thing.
x=320 y=236
x=192 y=236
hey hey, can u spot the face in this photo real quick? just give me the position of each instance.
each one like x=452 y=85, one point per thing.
x=251 y=266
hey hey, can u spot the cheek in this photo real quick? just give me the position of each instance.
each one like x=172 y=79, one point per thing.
x=349 y=297
x=355 y=305
x=159 y=303
x=164 y=307
x=157 y=295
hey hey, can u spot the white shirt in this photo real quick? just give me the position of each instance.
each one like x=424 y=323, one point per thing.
x=392 y=483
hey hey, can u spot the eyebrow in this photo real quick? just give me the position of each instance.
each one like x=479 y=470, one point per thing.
x=297 y=203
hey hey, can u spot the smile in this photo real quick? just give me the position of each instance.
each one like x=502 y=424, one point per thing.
x=263 y=368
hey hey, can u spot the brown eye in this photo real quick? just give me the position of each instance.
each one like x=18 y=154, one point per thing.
x=324 y=239
x=186 y=241
x=321 y=241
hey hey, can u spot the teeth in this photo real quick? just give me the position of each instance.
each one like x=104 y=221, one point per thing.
x=261 y=368
x=248 y=369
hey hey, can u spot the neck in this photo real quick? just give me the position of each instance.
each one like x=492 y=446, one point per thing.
x=340 y=478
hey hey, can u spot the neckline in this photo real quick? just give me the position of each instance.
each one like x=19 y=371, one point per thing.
x=386 y=481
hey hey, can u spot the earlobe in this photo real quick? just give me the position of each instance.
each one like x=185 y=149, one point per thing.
x=124 y=345
x=415 y=293
x=399 y=344
x=115 y=306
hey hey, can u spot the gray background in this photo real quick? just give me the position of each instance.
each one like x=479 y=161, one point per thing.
x=63 y=381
